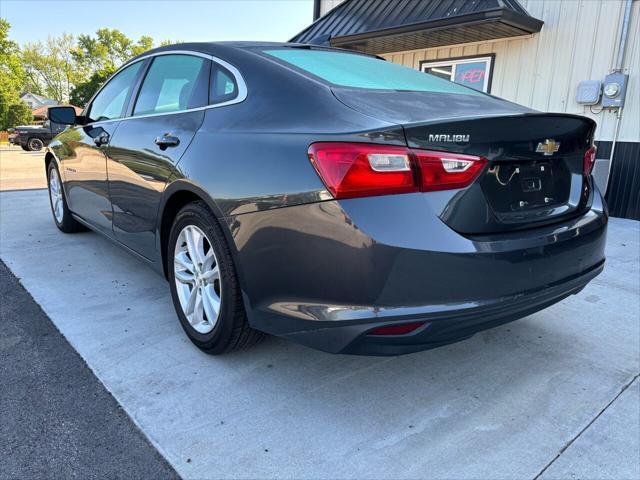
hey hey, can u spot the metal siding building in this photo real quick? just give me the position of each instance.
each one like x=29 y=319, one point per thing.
x=578 y=41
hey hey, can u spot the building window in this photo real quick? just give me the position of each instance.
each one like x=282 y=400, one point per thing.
x=474 y=72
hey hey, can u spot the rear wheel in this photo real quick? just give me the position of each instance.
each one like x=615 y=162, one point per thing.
x=61 y=214
x=35 y=144
x=203 y=283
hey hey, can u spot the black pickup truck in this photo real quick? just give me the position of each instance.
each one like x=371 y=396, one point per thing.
x=33 y=138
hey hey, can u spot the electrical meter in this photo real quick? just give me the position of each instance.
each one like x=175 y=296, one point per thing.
x=615 y=89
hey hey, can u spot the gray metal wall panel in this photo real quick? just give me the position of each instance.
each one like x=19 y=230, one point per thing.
x=623 y=193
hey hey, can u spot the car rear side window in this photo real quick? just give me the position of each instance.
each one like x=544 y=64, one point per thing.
x=173 y=83
x=362 y=71
x=223 y=85
x=110 y=102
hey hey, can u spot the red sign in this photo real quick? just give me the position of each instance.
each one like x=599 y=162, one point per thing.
x=471 y=76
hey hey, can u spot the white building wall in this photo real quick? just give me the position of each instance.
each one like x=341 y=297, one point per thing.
x=326 y=5
x=578 y=42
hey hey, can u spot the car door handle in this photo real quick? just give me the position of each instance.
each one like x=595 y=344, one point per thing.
x=167 y=140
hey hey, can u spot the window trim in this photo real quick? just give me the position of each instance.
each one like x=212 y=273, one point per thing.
x=140 y=83
x=125 y=107
x=491 y=57
x=241 y=97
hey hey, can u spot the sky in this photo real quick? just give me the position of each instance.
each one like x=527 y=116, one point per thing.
x=177 y=20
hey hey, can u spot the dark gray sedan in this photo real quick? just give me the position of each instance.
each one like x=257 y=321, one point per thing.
x=330 y=197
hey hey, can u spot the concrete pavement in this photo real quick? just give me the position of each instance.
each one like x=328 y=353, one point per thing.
x=21 y=170
x=534 y=397
x=605 y=447
x=58 y=421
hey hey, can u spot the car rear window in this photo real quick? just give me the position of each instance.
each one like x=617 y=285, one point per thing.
x=223 y=85
x=361 y=71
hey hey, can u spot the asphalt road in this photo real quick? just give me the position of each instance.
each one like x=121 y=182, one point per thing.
x=554 y=395
x=57 y=419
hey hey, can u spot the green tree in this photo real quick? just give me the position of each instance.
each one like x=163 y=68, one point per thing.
x=144 y=44
x=63 y=68
x=98 y=56
x=107 y=50
x=83 y=91
x=10 y=66
x=12 y=75
x=50 y=67
x=18 y=113
x=68 y=69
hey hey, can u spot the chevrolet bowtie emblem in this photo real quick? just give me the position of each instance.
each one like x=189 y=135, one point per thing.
x=548 y=147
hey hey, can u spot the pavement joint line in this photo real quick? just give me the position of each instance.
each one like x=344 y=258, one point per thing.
x=23 y=190
x=575 y=437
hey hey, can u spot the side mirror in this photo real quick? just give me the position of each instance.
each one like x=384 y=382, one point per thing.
x=62 y=115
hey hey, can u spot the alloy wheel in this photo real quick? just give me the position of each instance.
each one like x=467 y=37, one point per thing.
x=55 y=194
x=197 y=278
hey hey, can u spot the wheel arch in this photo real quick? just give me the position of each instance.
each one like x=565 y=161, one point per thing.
x=48 y=158
x=178 y=194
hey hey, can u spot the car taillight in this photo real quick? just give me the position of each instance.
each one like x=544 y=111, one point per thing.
x=589 y=160
x=446 y=171
x=359 y=170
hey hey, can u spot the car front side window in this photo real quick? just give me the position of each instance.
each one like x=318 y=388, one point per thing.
x=173 y=83
x=109 y=104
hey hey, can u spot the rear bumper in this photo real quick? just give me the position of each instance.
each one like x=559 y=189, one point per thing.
x=444 y=323
x=326 y=274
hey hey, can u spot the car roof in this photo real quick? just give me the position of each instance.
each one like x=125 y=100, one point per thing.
x=220 y=48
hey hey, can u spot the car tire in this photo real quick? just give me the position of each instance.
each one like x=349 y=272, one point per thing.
x=59 y=209
x=35 y=144
x=196 y=225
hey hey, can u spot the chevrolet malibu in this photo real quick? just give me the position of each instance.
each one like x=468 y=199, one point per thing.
x=329 y=197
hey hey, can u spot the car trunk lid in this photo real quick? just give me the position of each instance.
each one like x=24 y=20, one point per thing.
x=534 y=173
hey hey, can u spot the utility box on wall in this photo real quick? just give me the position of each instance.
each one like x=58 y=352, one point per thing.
x=615 y=89
x=588 y=92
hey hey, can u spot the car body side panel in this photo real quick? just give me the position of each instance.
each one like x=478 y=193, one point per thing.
x=84 y=172
x=138 y=173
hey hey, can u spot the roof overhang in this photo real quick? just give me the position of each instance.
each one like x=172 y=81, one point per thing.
x=474 y=27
